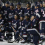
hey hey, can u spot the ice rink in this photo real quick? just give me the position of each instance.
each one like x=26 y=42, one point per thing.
x=6 y=43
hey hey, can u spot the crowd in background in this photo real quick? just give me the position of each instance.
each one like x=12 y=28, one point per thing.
x=25 y=22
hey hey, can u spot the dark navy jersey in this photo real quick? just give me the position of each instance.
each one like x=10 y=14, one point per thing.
x=15 y=24
x=1 y=22
x=33 y=23
x=26 y=24
x=41 y=11
x=37 y=13
x=43 y=17
x=28 y=11
x=10 y=13
x=38 y=3
x=37 y=10
x=5 y=11
x=19 y=11
x=20 y=25
x=9 y=24
x=1 y=11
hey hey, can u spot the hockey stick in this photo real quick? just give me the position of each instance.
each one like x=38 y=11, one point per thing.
x=19 y=28
x=15 y=32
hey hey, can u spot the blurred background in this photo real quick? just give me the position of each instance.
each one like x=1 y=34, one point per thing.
x=23 y=1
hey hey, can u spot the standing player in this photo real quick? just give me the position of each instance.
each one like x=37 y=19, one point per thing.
x=38 y=3
x=19 y=9
x=28 y=9
x=10 y=15
x=5 y=8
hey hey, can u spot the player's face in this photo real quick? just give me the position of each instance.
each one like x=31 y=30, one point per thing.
x=15 y=17
x=21 y=18
x=11 y=7
x=0 y=15
x=0 y=30
x=18 y=6
x=27 y=5
x=6 y=5
x=43 y=5
x=35 y=7
x=40 y=5
x=26 y=17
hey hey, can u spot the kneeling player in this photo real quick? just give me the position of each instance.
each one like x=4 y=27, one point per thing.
x=35 y=34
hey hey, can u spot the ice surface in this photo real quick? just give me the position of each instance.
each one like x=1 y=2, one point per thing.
x=6 y=43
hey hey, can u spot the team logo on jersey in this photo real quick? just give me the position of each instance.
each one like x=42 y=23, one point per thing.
x=16 y=11
x=5 y=12
x=28 y=11
x=37 y=11
x=12 y=21
x=22 y=23
x=41 y=10
x=21 y=10
x=10 y=15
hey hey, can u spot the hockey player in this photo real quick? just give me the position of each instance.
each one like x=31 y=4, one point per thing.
x=15 y=25
x=28 y=9
x=10 y=11
x=19 y=9
x=10 y=15
x=35 y=34
x=5 y=8
x=37 y=13
x=19 y=31
x=41 y=9
x=38 y=3
x=26 y=24
x=1 y=26
x=42 y=24
x=33 y=31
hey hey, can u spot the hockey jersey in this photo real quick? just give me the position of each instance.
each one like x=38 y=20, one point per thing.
x=15 y=24
x=19 y=11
